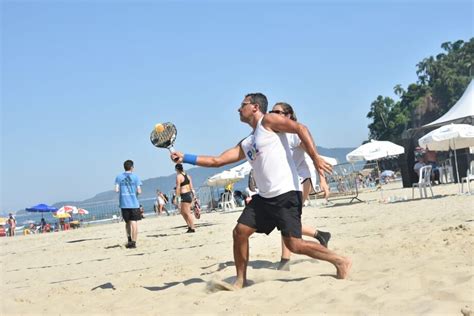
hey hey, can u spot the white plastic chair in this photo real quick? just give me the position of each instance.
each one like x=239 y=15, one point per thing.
x=227 y=201
x=423 y=182
x=469 y=177
x=446 y=172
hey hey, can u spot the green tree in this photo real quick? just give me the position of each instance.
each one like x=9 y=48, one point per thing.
x=379 y=113
x=447 y=74
x=441 y=82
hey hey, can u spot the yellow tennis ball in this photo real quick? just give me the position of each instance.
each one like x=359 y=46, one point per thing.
x=159 y=128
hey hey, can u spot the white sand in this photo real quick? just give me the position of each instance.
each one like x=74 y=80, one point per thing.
x=409 y=258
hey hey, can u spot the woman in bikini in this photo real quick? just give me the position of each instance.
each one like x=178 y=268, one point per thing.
x=184 y=192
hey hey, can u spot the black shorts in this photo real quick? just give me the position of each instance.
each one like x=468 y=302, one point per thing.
x=282 y=212
x=187 y=197
x=131 y=214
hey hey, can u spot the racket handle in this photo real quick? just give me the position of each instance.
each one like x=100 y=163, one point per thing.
x=172 y=150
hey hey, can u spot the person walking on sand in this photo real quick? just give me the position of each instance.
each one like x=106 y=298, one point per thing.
x=279 y=201
x=306 y=172
x=160 y=203
x=128 y=185
x=11 y=221
x=184 y=192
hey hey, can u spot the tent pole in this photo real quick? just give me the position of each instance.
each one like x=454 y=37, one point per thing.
x=380 y=180
x=457 y=169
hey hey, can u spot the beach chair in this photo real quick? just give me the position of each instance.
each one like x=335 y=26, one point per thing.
x=468 y=178
x=227 y=201
x=446 y=172
x=424 y=181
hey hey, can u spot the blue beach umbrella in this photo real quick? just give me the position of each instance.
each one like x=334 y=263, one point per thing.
x=41 y=208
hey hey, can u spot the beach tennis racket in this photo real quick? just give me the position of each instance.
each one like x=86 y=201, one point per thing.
x=164 y=135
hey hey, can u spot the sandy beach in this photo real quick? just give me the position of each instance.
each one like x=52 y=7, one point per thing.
x=412 y=257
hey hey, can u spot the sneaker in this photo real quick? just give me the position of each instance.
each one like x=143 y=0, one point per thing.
x=190 y=230
x=284 y=265
x=131 y=245
x=323 y=238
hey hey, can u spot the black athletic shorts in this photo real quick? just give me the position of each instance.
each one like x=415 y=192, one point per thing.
x=282 y=212
x=187 y=197
x=131 y=214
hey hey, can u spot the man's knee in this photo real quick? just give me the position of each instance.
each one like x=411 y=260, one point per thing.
x=293 y=244
x=242 y=232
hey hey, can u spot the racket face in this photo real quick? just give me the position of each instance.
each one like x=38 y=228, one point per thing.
x=166 y=138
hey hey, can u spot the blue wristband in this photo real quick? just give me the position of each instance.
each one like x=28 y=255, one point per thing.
x=189 y=158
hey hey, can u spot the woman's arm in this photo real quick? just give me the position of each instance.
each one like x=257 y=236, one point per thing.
x=178 y=185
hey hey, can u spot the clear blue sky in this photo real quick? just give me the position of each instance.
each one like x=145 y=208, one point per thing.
x=83 y=82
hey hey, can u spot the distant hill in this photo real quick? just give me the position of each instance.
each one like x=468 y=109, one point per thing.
x=199 y=175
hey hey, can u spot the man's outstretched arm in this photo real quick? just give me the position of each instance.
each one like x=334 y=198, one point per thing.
x=231 y=155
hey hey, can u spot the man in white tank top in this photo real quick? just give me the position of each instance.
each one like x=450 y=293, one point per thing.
x=278 y=203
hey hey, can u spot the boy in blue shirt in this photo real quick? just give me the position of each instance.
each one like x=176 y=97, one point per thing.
x=128 y=185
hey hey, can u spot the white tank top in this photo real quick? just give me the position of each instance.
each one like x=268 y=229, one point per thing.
x=271 y=159
x=304 y=163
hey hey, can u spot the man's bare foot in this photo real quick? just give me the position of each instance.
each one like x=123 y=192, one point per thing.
x=220 y=285
x=238 y=284
x=343 y=268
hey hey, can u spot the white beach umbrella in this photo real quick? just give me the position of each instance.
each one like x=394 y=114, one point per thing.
x=375 y=150
x=242 y=169
x=452 y=136
x=224 y=178
x=329 y=160
x=447 y=137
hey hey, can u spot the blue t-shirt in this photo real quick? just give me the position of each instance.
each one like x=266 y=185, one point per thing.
x=128 y=184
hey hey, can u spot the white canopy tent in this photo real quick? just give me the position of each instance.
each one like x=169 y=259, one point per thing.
x=461 y=112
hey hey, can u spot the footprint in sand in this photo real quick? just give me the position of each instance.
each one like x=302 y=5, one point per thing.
x=220 y=285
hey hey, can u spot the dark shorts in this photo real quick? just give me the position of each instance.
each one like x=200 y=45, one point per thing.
x=282 y=212
x=187 y=197
x=131 y=214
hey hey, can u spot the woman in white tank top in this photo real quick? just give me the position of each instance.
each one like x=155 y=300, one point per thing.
x=306 y=171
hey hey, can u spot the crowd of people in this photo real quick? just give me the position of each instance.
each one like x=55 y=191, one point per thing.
x=10 y=227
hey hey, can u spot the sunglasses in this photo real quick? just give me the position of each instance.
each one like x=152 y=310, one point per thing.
x=279 y=112
x=243 y=104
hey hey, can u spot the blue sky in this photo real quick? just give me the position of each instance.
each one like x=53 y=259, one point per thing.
x=83 y=82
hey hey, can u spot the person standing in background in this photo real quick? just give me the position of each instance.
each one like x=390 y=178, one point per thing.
x=128 y=185
x=184 y=192
x=12 y=223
